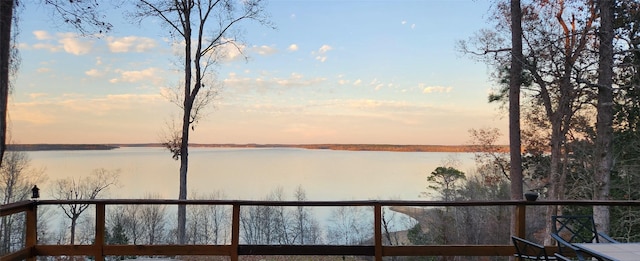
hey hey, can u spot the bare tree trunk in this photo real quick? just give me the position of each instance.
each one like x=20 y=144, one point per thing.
x=7 y=225
x=186 y=123
x=604 y=129
x=515 y=81
x=73 y=229
x=6 y=18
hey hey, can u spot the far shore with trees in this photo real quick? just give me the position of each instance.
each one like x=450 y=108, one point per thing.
x=349 y=147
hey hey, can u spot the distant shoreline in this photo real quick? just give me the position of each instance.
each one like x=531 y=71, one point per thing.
x=347 y=147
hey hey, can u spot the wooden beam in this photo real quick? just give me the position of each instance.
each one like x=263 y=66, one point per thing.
x=17 y=207
x=450 y=250
x=306 y=250
x=21 y=254
x=64 y=250
x=168 y=250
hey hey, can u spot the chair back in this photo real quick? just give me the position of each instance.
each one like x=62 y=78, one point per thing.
x=576 y=229
x=527 y=250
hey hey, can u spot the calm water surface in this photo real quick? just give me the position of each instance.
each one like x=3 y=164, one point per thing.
x=253 y=173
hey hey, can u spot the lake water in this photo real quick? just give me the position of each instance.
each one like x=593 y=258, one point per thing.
x=252 y=173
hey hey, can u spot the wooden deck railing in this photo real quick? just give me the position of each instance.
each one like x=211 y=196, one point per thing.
x=233 y=250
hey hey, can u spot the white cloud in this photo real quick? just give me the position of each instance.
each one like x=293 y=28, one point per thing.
x=412 y=26
x=47 y=46
x=94 y=73
x=357 y=82
x=231 y=52
x=324 y=49
x=242 y=84
x=69 y=42
x=42 y=35
x=73 y=45
x=390 y=107
x=23 y=46
x=43 y=70
x=296 y=79
x=266 y=82
x=293 y=47
x=130 y=44
x=321 y=53
x=435 y=89
x=265 y=50
x=153 y=75
x=36 y=95
x=104 y=104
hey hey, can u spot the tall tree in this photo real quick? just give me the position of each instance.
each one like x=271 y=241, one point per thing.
x=557 y=51
x=193 y=21
x=88 y=187
x=604 y=124
x=445 y=180
x=306 y=228
x=153 y=221
x=515 y=81
x=560 y=96
x=6 y=19
x=625 y=176
x=491 y=160
x=208 y=224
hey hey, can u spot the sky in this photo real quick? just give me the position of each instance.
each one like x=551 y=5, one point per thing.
x=355 y=71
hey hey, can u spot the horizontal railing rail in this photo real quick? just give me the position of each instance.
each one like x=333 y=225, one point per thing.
x=233 y=250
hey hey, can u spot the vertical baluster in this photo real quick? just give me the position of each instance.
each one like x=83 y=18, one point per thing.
x=377 y=222
x=521 y=221
x=235 y=232
x=98 y=245
x=32 y=230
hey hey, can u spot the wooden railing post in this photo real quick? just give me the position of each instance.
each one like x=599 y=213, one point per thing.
x=235 y=232
x=98 y=244
x=521 y=220
x=32 y=231
x=377 y=223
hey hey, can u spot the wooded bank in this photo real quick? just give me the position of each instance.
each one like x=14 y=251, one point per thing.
x=349 y=147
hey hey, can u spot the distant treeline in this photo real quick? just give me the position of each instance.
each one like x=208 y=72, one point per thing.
x=364 y=147
x=351 y=147
x=400 y=148
x=36 y=147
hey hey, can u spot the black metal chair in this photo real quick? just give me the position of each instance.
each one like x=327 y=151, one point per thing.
x=568 y=230
x=527 y=250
